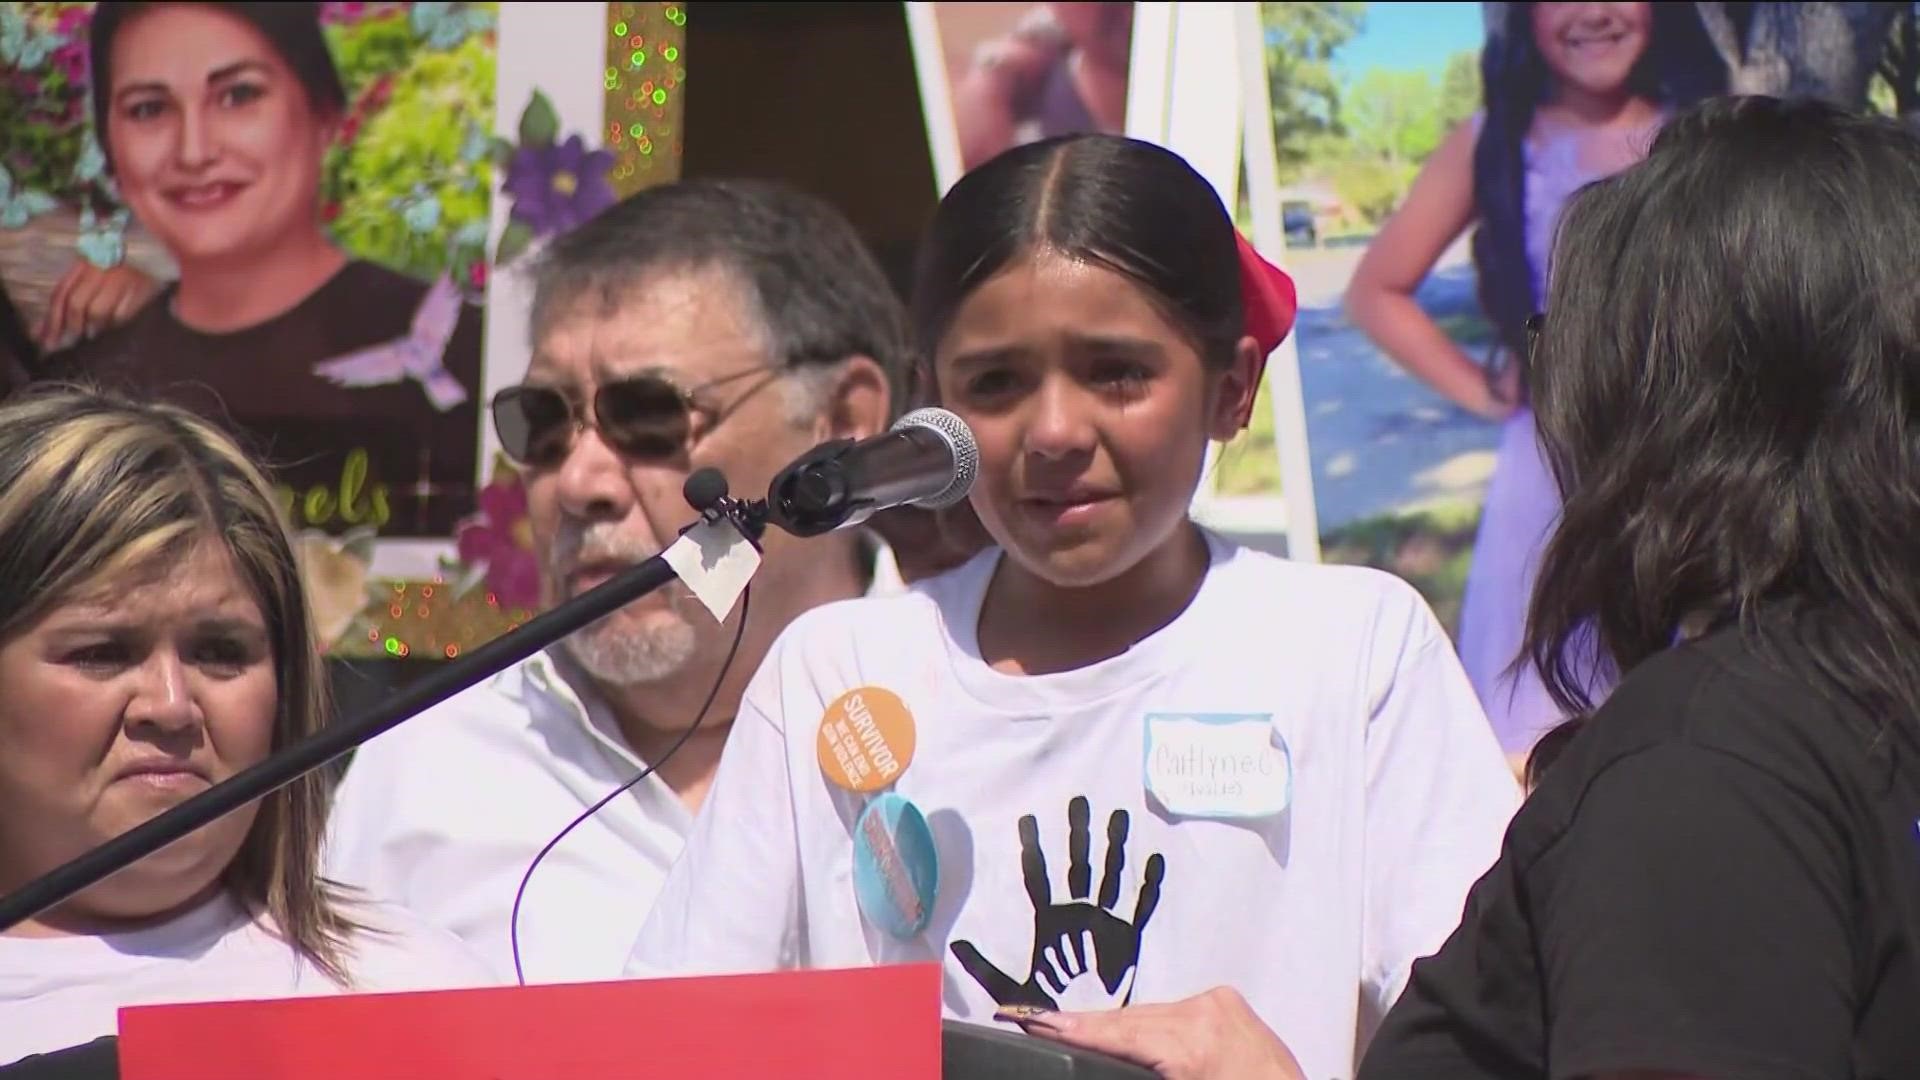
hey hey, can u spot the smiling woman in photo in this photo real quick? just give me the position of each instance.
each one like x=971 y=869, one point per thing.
x=359 y=383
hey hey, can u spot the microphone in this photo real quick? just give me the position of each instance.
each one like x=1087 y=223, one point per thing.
x=927 y=459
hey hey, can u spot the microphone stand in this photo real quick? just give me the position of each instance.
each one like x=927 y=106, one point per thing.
x=706 y=490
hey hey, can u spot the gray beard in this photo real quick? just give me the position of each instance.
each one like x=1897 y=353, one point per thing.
x=610 y=653
x=634 y=657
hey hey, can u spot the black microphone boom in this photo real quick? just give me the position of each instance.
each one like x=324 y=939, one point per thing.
x=928 y=459
x=330 y=742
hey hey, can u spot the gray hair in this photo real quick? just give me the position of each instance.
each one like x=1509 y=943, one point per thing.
x=815 y=290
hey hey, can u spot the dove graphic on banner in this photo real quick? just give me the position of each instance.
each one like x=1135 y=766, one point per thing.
x=417 y=356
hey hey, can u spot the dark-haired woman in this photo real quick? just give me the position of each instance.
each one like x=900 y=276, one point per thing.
x=1719 y=876
x=1235 y=794
x=359 y=383
x=1573 y=92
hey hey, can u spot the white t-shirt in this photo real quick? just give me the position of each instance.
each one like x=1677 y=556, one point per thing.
x=445 y=812
x=57 y=992
x=1391 y=801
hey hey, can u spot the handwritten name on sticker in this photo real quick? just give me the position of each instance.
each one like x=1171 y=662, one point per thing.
x=1223 y=765
x=893 y=875
x=866 y=739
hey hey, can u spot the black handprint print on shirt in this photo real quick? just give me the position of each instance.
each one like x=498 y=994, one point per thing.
x=1079 y=941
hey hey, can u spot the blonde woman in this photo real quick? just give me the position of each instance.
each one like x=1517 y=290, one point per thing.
x=153 y=642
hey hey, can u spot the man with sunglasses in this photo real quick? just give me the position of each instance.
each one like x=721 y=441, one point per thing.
x=725 y=324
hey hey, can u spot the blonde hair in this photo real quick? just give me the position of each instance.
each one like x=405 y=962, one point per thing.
x=95 y=489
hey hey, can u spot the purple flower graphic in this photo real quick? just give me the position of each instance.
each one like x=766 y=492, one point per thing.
x=558 y=186
x=500 y=538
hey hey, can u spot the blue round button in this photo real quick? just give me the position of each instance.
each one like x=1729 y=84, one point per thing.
x=896 y=872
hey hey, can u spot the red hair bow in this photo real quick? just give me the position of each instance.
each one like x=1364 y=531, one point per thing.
x=1270 y=300
x=1268 y=295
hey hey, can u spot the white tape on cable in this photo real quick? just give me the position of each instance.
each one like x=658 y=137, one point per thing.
x=715 y=562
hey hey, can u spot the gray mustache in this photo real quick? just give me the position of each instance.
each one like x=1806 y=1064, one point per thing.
x=601 y=541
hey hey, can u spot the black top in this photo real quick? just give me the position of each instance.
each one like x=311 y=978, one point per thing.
x=379 y=453
x=1720 y=877
x=97 y=1060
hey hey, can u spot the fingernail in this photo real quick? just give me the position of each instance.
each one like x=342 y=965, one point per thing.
x=1033 y=1016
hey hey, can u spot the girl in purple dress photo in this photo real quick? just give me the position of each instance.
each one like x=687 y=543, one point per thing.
x=1572 y=93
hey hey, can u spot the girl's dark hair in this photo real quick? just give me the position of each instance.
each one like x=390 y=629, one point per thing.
x=293 y=29
x=1679 y=67
x=1130 y=206
x=1728 y=392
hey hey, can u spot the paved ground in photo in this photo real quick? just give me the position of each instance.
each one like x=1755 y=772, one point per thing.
x=1382 y=442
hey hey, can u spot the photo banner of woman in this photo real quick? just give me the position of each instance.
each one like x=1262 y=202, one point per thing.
x=413 y=546
x=1425 y=164
x=276 y=215
x=314 y=181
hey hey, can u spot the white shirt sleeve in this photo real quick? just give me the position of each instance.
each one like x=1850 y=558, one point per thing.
x=1439 y=797
x=731 y=904
x=357 y=827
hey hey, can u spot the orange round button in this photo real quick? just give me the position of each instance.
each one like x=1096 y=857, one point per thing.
x=866 y=739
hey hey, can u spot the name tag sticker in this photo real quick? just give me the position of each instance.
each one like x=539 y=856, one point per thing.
x=1218 y=765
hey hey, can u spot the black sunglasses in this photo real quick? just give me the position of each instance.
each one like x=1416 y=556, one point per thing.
x=649 y=417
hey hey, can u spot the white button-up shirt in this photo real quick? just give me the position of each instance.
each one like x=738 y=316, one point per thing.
x=444 y=813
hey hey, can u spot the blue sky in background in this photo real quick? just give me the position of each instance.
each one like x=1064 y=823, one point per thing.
x=1410 y=37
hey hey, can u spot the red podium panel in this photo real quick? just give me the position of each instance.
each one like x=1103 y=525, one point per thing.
x=805 y=1025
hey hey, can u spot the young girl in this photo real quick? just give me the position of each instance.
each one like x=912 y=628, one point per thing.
x=1573 y=92
x=1149 y=763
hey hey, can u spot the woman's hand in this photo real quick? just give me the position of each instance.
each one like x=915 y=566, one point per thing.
x=89 y=300
x=1500 y=396
x=1214 y=1036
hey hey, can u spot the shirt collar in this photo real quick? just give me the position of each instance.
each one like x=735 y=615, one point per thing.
x=560 y=683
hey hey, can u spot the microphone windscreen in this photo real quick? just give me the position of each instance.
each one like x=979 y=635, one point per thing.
x=966 y=453
x=704 y=489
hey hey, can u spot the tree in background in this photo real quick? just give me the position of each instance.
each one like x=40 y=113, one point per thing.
x=1392 y=122
x=1300 y=42
x=1394 y=116
x=1389 y=121
x=1459 y=89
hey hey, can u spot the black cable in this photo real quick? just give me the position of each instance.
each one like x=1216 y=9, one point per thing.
x=513 y=928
